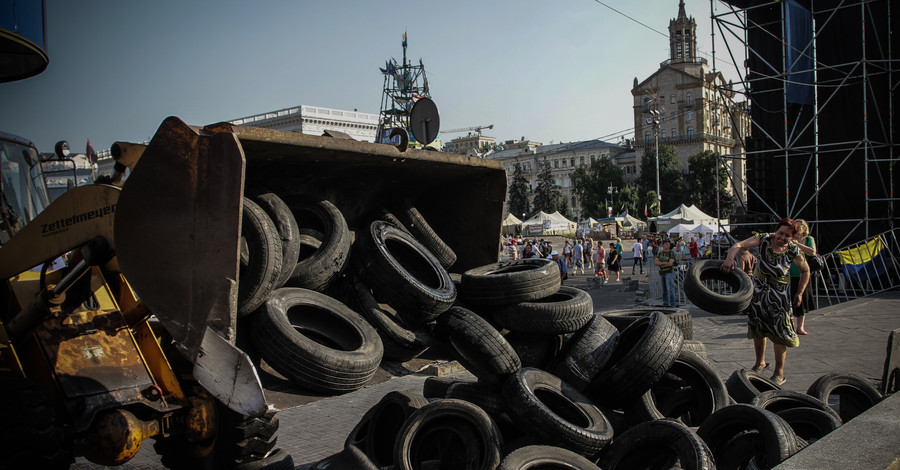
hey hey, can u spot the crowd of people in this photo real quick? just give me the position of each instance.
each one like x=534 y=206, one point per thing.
x=779 y=271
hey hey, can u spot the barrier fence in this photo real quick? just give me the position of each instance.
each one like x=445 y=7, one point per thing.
x=856 y=270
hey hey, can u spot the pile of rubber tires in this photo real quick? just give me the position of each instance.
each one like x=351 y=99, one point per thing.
x=323 y=305
x=586 y=395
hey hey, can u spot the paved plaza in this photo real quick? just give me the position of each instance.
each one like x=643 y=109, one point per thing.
x=848 y=337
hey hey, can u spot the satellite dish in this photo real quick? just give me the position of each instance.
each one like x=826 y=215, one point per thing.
x=424 y=121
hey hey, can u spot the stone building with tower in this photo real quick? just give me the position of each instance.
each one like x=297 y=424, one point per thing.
x=689 y=106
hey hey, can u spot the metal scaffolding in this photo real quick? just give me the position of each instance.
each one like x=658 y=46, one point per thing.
x=804 y=90
x=404 y=84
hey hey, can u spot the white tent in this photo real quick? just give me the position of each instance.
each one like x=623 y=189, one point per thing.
x=685 y=215
x=510 y=224
x=543 y=223
x=683 y=229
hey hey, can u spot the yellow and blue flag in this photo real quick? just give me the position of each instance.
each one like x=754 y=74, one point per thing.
x=865 y=261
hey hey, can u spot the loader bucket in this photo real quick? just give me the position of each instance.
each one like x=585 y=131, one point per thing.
x=179 y=219
x=460 y=197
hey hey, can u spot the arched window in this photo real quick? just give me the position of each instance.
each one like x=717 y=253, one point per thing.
x=689 y=99
x=689 y=116
x=690 y=132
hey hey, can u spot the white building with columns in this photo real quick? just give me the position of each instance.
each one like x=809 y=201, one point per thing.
x=314 y=120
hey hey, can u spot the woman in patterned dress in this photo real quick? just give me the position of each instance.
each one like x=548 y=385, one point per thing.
x=769 y=315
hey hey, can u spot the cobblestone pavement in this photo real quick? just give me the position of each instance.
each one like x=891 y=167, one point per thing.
x=849 y=337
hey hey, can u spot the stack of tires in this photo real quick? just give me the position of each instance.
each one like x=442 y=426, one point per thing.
x=559 y=385
x=324 y=304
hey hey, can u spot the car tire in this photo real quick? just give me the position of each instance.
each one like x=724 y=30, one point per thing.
x=316 y=341
x=714 y=302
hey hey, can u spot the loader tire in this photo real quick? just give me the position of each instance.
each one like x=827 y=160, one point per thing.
x=317 y=268
x=510 y=282
x=287 y=228
x=402 y=272
x=29 y=434
x=260 y=258
x=316 y=341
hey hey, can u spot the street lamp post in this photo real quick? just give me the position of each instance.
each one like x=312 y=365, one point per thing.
x=655 y=114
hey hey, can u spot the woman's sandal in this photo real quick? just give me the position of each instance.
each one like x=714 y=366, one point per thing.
x=778 y=380
x=760 y=368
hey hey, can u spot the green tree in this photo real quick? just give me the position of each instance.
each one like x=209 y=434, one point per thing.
x=547 y=194
x=671 y=179
x=628 y=200
x=518 y=193
x=701 y=186
x=591 y=186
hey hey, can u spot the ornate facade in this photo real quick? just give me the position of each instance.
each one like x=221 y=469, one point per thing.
x=687 y=105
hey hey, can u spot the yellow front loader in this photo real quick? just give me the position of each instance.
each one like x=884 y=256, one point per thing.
x=133 y=338
x=117 y=320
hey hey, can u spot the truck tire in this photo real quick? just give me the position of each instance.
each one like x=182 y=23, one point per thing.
x=287 y=228
x=402 y=273
x=646 y=350
x=744 y=385
x=456 y=433
x=323 y=266
x=402 y=339
x=663 y=443
x=554 y=411
x=778 y=439
x=510 y=282
x=714 y=302
x=586 y=353
x=565 y=311
x=478 y=346
x=30 y=436
x=623 y=317
x=855 y=394
x=316 y=341
x=260 y=258
x=541 y=456
x=411 y=221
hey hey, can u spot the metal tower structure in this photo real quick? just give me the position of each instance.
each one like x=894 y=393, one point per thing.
x=821 y=77
x=404 y=84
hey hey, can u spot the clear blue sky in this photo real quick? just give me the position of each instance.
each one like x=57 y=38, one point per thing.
x=558 y=70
